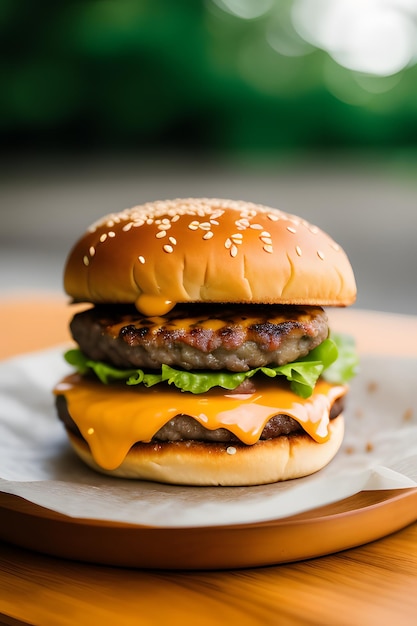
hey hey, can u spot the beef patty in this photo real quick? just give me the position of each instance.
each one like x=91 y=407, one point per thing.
x=231 y=337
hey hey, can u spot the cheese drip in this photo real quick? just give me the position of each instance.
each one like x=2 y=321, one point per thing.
x=112 y=418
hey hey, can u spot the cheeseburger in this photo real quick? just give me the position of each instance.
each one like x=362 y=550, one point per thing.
x=206 y=356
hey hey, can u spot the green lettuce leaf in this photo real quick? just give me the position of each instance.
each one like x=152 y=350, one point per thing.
x=108 y=373
x=346 y=366
x=301 y=374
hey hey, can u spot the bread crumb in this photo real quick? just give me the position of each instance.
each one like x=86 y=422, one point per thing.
x=372 y=386
x=369 y=447
x=408 y=414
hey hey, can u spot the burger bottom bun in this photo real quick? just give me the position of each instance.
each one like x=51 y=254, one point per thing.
x=210 y=464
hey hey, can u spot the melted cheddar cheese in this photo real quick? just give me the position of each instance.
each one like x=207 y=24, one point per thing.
x=112 y=418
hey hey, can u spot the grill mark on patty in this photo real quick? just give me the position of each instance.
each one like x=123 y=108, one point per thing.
x=236 y=338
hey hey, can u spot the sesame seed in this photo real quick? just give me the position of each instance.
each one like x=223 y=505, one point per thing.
x=267 y=240
x=320 y=254
x=215 y=222
x=193 y=225
x=231 y=450
x=205 y=225
x=111 y=233
x=162 y=233
x=216 y=214
x=175 y=218
x=298 y=250
x=86 y=261
x=173 y=241
x=228 y=243
x=127 y=226
x=233 y=250
x=268 y=248
x=168 y=249
x=272 y=217
x=92 y=251
x=291 y=229
x=149 y=221
x=242 y=224
x=141 y=259
x=208 y=235
x=103 y=237
x=256 y=226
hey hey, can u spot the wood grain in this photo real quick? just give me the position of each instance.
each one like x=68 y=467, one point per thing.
x=372 y=584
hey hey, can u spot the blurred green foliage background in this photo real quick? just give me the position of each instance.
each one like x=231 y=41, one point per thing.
x=188 y=74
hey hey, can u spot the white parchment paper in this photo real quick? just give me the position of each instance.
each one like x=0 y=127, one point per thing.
x=36 y=462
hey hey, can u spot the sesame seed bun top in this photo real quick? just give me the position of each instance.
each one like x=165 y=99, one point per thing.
x=207 y=250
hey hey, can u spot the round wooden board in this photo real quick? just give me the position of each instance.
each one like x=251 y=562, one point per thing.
x=357 y=520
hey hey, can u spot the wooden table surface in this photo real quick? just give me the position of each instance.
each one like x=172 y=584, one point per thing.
x=371 y=584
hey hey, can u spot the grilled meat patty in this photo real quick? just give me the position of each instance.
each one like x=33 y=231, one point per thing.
x=232 y=337
x=185 y=428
